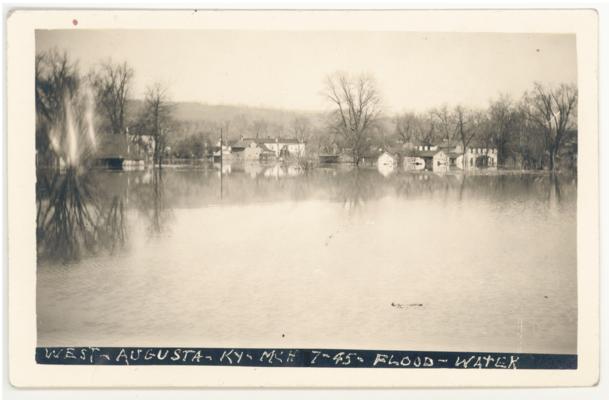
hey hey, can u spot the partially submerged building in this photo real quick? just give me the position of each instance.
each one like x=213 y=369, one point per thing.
x=123 y=151
x=445 y=156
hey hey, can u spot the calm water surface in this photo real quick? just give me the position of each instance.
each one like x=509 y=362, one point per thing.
x=334 y=257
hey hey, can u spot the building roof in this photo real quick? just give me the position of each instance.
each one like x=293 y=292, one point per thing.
x=112 y=146
x=422 y=143
x=264 y=148
x=426 y=153
x=273 y=140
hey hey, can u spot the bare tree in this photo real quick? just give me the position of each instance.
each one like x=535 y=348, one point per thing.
x=465 y=128
x=428 y=130
x=554 y=111
x=112 y=83
x=260 y=128
x=356 y=109
x=445 y=122
x=156 y=118
x=301 y=128
x=407 y=126
x=504 y=119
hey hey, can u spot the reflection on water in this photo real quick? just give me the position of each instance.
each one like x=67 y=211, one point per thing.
x=74 y=218
x=188 y=256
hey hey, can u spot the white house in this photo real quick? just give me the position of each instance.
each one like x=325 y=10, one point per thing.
x=440 y=162
x=480 y=158
x=387 y=159
x=282 y=147
x=446 y=156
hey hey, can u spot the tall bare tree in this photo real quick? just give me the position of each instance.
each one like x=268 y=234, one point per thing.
x=465 y=128
x=156 y=118
x=504 y=120
x=446 y=123
x=407 y=127
x=356 y=104
x=112 y=83
x=554 y=111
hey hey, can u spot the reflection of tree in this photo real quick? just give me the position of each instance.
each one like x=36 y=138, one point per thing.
x=555 y=188
x=111 y=229
x=355 y=187
x=71 y=219
x=152 y=203
x=462 y=186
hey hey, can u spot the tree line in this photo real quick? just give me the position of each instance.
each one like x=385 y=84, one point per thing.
x=537 y=131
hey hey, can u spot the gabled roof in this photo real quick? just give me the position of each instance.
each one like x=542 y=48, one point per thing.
x=390 y=153
x=273 y=140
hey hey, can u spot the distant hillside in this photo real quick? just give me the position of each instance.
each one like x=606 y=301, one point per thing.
x=208 y=120
x=197 y=112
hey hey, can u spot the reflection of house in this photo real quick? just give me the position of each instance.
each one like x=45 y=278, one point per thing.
x=280 y=171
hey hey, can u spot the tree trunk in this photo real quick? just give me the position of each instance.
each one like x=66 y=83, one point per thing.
x=552 y=158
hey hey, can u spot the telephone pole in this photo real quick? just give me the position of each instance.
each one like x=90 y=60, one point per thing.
x=221 y=160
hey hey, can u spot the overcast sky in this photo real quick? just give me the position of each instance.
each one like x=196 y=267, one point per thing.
x=414 y=71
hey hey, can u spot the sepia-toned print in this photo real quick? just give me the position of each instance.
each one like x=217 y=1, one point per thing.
x=306 y=199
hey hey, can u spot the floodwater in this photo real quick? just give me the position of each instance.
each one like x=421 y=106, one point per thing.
x=273 y=256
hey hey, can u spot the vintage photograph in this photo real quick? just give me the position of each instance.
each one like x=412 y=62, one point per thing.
x=348 y=190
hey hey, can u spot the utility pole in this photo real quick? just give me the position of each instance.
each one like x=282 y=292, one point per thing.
x=221 y=160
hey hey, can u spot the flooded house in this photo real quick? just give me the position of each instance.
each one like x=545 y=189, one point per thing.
x=447 y=155
x=281 y=147
x=260 y=149
x=388 y=159
x=124 y=151
x=257 y=152
x=412 y=163
x=480 y=156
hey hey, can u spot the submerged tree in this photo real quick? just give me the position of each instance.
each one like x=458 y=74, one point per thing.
x=465 y=128
x=356 y=103
x=156 y=118
x=554 y=112
x=504 y=120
